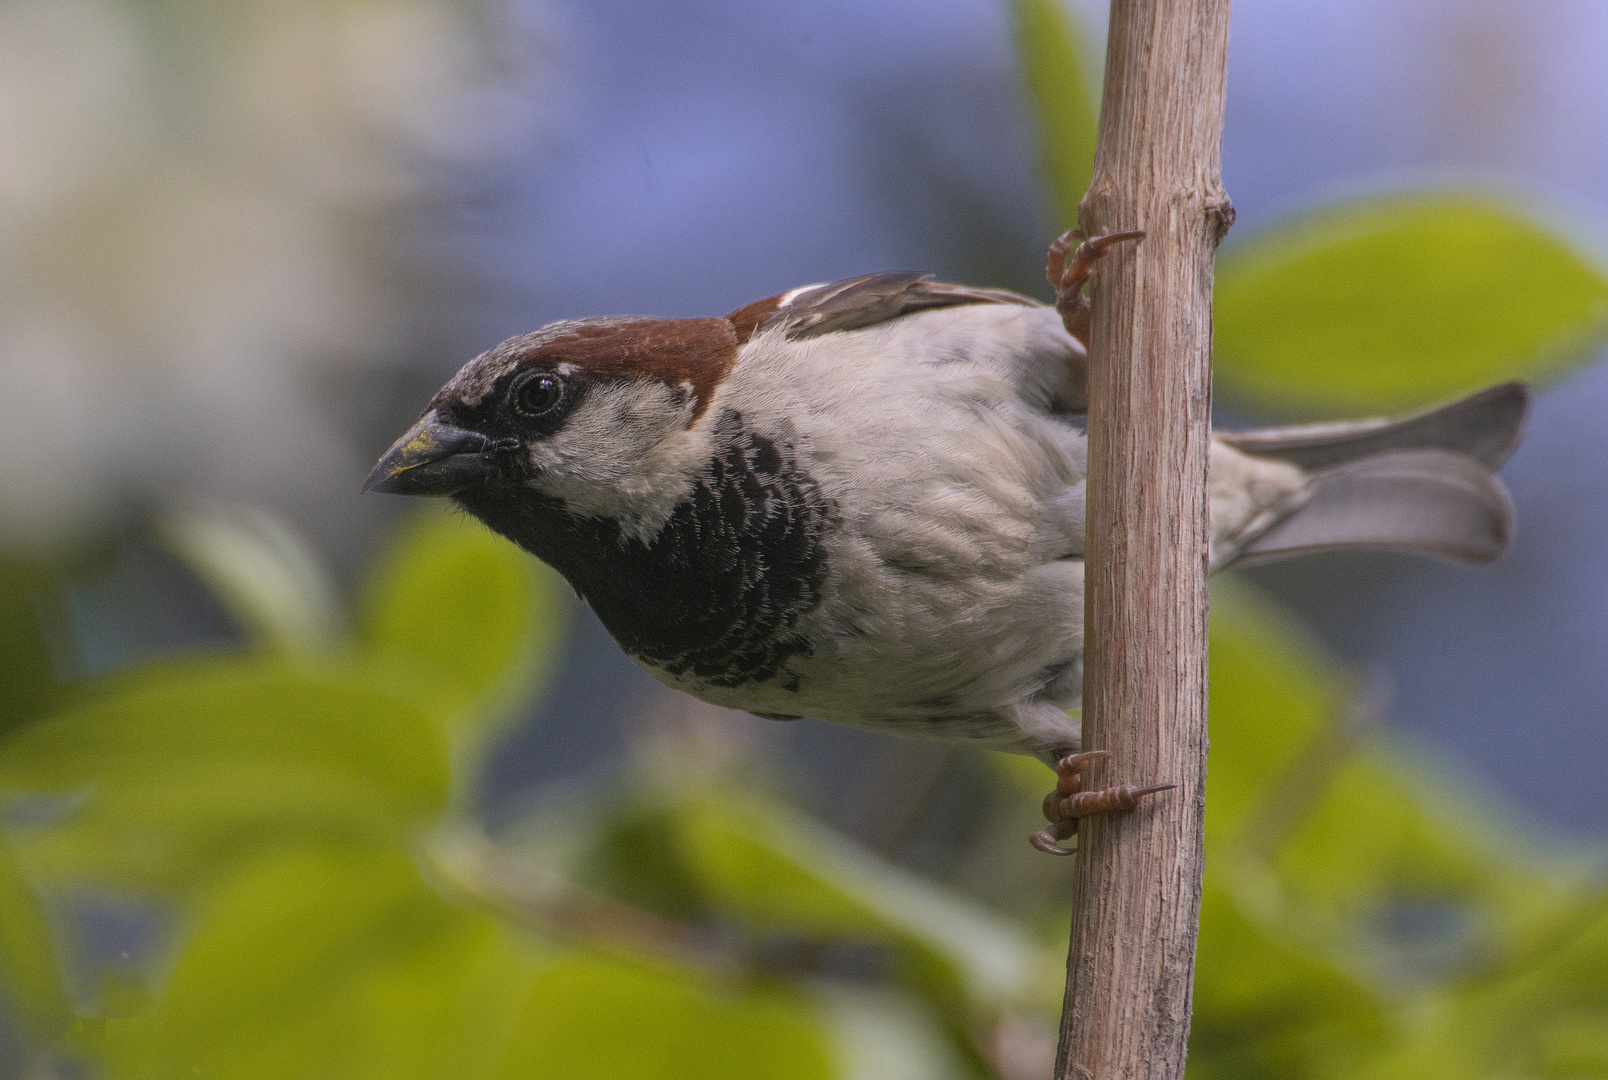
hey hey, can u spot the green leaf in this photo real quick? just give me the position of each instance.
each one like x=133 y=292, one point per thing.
x=778 y=871
x=882 y=1034
x=181 y=766
x=1415 y=883
x=1056 y=72
x=27 y=673
x=471 y=619
x=1274 y=688
x=343 y=963
x=595 y=1018
x=1548 y=1018
x=1388 y=303
x=263 y=571
x=29 y=974
x=1268 y=1006
x=1551 y=1014
x=1382 y=830
x=1374 y=866
x=774 y=874
x=326 y=962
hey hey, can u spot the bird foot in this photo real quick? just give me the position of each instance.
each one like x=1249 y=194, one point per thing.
x=1069 y=802
x=1069 y=276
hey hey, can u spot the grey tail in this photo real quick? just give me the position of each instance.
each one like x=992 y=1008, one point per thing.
x=1485 y=426
x=1422 y=483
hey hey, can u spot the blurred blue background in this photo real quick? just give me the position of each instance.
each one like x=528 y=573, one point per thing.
x=241 y=244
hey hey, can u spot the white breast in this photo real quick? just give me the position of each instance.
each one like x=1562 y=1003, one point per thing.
x=954 y=602
x=952 y=589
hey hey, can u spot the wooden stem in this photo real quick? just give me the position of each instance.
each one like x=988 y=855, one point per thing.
x=1130 y=970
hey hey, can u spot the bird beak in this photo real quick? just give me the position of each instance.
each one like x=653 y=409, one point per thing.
x=433 y=458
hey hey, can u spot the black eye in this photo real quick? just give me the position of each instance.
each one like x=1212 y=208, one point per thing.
x=540 y=393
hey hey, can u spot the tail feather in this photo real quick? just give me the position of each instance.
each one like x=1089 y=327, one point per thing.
x=1435 y=502
x=1485 y=426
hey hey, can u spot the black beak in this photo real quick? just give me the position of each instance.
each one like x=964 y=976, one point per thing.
x=433 y=458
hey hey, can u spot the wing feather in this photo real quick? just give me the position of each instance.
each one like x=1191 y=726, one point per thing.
x=862 y=301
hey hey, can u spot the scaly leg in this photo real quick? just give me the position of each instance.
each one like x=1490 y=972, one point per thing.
x=1068 y=277
x=1068 y=802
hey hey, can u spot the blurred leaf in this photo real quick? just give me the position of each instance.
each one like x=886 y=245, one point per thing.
x=329 y=963
x=1387 y=303
x=1373 y=865
x=775 y=874
x=1548 y=1019
x=778 y=871
x=1422 y=888
x=1054 y=58
x=593 y=1018
x=180 y=766
x=29 y=977
x=1273 y=690
x=1383 y=831
x=1268 y=1004
x=628 y=858
x=267 y=576
x=323 y=963
x=885 y=1035
x=1267 y=1007
x=1028 y=775
x=27 y=675
x=1556 y=1007
x=467 y=613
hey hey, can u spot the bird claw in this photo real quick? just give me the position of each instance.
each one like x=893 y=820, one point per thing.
x=1069 y=275
x=1069 y=802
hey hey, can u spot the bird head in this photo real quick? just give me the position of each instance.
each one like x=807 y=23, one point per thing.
x=597 y=415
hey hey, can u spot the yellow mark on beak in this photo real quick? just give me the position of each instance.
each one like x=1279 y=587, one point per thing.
x=454 y=457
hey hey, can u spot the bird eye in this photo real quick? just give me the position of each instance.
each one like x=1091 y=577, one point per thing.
x=539 y=394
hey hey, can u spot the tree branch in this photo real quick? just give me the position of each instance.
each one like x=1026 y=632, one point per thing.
x=1138 y=877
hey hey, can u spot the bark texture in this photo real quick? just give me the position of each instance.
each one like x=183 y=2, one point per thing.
x=1130 y=970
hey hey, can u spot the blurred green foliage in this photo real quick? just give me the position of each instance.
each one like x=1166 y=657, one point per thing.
x=465 y=614
x=340 y=913
x=27 y=961
x=27 y=675
x=1389 y=302
x=303 y=807
x=1055 y=68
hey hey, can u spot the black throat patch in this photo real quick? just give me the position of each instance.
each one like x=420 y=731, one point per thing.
x=717 y=594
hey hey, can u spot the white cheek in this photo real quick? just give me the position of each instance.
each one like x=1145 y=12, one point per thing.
x=624 y=453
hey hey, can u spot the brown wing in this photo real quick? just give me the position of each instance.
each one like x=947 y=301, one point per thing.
x=860 y=301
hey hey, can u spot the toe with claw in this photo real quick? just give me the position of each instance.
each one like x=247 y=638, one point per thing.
x=1068 y=275
x=1069 y=802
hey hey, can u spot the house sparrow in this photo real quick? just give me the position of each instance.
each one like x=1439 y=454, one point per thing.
x=864 y=501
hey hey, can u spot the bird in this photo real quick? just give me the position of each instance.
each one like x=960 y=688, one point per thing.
x=864 y=501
